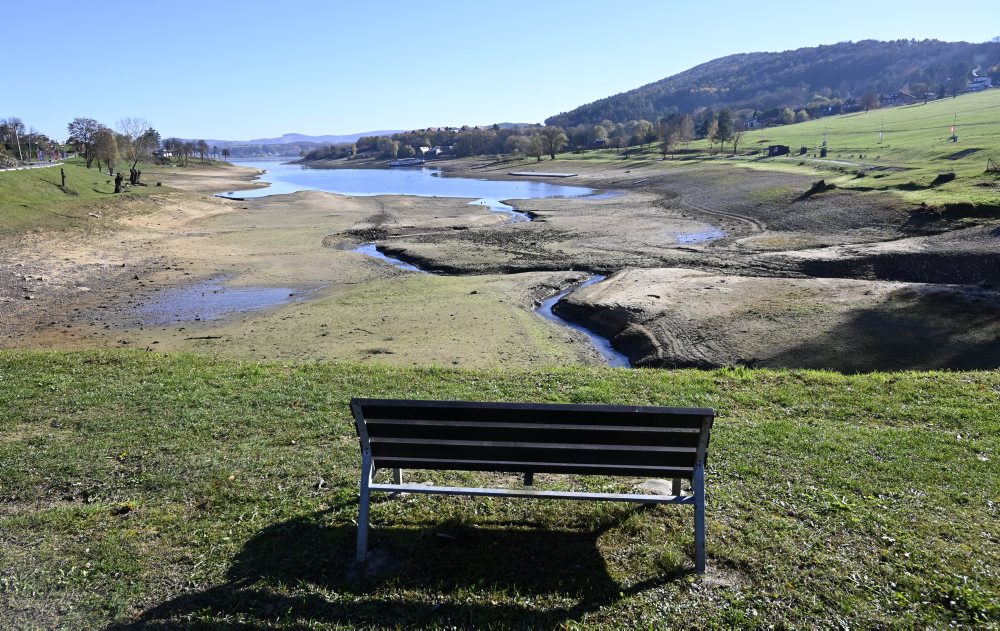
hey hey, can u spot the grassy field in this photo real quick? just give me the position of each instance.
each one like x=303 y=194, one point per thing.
x=139 y=488
x=915 y=149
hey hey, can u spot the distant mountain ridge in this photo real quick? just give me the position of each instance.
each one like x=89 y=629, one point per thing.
x=288 y=139
x=765 y=81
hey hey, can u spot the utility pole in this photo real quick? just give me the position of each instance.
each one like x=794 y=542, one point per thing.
x=881 y=133
x=20 y=156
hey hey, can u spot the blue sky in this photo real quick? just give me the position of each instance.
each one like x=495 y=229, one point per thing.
x=237 y=70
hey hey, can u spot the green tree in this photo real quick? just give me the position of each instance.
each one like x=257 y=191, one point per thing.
x=553 y=140
x=724 y=127
x=106 y=148
x=81 y=132
x=536 y=147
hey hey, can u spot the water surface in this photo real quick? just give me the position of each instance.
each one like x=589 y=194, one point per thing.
x=211 y=300
x=603 y=345
x=422 y=182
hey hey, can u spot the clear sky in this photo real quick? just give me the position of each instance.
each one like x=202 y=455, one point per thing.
x=236 y=70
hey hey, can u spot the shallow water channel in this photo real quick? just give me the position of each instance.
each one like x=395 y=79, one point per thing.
x=290 y=178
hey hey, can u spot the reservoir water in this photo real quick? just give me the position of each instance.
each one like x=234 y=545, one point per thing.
x=423 y=182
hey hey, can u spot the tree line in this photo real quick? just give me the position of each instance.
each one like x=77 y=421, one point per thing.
x=132 y=140
x=537 y=141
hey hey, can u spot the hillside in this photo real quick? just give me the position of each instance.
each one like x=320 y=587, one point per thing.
x=915 y=147
x=765 y=81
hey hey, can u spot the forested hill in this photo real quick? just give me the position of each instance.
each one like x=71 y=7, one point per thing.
x=803 y=78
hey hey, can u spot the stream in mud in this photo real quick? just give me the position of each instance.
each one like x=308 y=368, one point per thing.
x=213 y=300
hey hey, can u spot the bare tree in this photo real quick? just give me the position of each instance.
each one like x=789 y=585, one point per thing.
x=737 y=135
x=870 y=101
x=82 y=131
x=140 y=137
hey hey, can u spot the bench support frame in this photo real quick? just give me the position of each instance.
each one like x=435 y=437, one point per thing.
x=368 y=484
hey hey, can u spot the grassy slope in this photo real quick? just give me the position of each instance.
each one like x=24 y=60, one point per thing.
x=865 y=500
x=33 y=198
x=916 y=141
x=917 y=138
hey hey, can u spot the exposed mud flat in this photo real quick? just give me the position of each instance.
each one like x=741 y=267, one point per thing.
x=837 y=280
x=687 y=318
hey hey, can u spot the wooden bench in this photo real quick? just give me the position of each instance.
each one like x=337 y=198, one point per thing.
x=521 y=438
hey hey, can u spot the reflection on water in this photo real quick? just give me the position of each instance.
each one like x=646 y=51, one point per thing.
x=423 y=182
x=370 y=249
x=700 y=237
x=614 y=358
x=211 y=300
x=498 y=206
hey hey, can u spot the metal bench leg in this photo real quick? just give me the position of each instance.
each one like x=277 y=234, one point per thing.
x=698 y=482
x=397 y=476
x=675 y=488
x=529 y=478
x=363 y=506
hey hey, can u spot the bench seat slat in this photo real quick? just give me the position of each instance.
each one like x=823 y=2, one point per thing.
x=604 y=415
x=438 y=431
x=527 y=445
x=520 y=466
x=590 y=427
x=561 y=495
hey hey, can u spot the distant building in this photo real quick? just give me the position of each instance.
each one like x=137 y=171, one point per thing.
x=981 y=83
x=598 y=143
x=778 y=150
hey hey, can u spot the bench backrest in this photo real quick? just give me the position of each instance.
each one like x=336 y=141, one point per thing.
x=534 y=438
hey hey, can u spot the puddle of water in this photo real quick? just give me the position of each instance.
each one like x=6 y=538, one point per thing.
x=370 y=249
x=700 y=237
x=606 y=195
x=614 y=358
x=212 y=300
x=497 y=206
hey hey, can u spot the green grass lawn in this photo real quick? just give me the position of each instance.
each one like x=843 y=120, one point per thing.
x=139 y=488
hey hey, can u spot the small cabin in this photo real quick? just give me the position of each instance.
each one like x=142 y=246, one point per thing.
x=778 y=150
x=981 y=83
x=598 y=143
